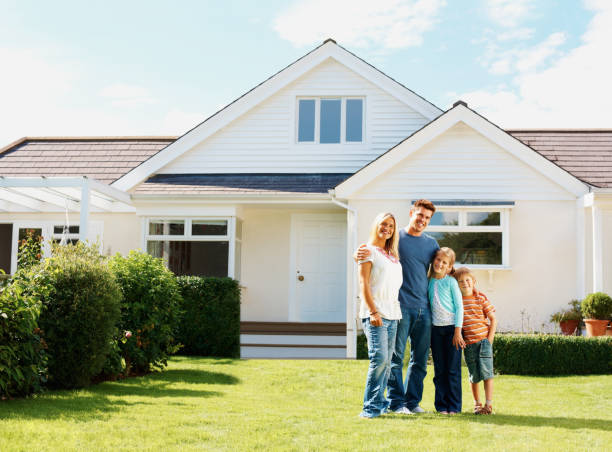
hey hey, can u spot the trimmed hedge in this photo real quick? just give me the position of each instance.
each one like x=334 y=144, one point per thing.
x=552 y=355
x=210 y=322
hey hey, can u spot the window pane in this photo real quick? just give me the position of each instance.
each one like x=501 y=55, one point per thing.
x=480 y=248
x=167 y=227
x=330 y=120
x=306 y=121
x=209 y=227
x=354 y=119
x=483 y=219
x=192 y=258
x=445 y=219
x=60 y=229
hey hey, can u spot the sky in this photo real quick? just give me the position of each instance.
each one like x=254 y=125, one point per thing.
x=134 y=67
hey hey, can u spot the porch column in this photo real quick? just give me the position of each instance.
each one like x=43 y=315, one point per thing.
x=597 y=249
x=84 y=214
x=580 y=250
x=351 y=289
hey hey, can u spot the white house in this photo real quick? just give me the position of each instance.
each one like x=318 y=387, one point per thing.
x=279 y=187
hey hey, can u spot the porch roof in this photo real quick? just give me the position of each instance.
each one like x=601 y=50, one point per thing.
x=240 y=184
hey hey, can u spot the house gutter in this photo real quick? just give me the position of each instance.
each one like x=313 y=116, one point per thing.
x=351 y=324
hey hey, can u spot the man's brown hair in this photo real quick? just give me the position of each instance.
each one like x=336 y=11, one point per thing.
x=425 y=203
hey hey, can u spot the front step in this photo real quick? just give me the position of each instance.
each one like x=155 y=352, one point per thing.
x=292 y=340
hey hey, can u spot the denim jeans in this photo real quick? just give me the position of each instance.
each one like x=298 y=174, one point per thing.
x=447 y=369
x=381 y=340
x=416 y=325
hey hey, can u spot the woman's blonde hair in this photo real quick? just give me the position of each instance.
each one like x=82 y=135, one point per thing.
x=391 y=244
x=448 y=252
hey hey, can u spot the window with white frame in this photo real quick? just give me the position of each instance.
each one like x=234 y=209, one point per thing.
x=329 y=120
x=192 y=246
x=478 y=235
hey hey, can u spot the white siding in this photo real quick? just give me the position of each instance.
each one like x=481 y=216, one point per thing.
x=462 y=164
x=264 y=139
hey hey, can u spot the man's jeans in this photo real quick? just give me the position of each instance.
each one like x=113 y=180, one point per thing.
x=416 y=325
x=381 y=341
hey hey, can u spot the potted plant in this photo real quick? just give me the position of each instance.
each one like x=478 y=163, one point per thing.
x=568 y=319
x=596 y=309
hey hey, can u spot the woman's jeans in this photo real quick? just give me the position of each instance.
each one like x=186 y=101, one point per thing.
x=447 y=369
x=381 y=342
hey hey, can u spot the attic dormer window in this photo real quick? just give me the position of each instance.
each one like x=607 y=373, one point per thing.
x=330 y=120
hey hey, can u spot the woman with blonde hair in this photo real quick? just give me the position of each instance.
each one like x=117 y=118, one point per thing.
x=380 y=278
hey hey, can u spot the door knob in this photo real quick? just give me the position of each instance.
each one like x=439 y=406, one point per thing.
x=301 y=278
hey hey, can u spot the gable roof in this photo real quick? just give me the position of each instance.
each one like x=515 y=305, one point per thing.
x=102 y=158
x=329 y=49
x=460 y=113
x=587 y=154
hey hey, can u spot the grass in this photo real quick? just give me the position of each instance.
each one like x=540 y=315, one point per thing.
x=221 y=404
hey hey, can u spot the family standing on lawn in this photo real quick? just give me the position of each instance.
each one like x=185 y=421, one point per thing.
x=410 y=291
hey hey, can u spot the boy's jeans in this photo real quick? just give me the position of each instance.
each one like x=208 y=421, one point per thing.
x=416 y=324
x=381 y=341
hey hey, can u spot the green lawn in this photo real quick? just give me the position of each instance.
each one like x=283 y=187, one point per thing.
x=200 y=403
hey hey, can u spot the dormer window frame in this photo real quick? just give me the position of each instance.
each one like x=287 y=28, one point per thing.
x=317 y=119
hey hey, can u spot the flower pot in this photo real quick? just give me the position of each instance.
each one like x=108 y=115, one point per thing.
x=568 y=327
x=595 y=327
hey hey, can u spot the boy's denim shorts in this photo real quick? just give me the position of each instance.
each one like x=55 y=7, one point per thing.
x=479 y=360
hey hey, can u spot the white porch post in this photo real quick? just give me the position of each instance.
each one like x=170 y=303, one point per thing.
x=597 y=249
x=351 y=333
x=580 y=250
x=84 y=214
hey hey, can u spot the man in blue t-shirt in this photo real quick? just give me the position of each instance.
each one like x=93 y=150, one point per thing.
x=416 y=251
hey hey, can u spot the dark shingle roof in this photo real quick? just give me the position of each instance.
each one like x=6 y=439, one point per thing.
x=105 y=159
x=240 y=184
x=586 y=154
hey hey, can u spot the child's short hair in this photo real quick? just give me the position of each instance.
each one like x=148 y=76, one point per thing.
x=463 y=271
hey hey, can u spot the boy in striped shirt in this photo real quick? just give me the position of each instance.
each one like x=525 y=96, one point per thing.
x=478 y=334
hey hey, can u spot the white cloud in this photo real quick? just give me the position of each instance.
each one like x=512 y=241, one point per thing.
x=126 y=95
x=508 y=13
x=570 y=92
x=517 y=34
x=388 y=24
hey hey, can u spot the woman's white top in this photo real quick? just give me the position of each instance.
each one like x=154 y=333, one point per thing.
x=385 y=282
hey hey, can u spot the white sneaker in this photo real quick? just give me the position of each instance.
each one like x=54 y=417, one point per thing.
x=418 y=409
x=403 y=410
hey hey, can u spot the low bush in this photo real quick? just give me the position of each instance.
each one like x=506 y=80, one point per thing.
x=552 y=355
x=149 y=311
x=79 y=311
x=210 y=319
x=362 y=346
x=597 y=305
x=23 y=362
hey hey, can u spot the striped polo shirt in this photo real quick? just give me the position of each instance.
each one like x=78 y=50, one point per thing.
x=475 y=323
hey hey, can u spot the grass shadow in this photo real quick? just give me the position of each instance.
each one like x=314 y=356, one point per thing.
x=97 y=401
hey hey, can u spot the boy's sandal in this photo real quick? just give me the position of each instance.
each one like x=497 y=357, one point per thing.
x=477 y=408
x=486 y=409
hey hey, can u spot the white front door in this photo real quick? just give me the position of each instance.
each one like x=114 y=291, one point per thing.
x=318 y=268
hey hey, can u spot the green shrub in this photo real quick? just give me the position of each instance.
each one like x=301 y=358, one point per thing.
x=79 y=311
x=23 y=362
x=149 y=311
x=552 y=355
x=362 y=346
x=597 y=305
x=210 y=321
x=573 y=313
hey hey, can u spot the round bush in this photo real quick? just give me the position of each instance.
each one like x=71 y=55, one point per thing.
x=597 y=305
x=149 y=311
x=23 y=360
x=79 y=311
